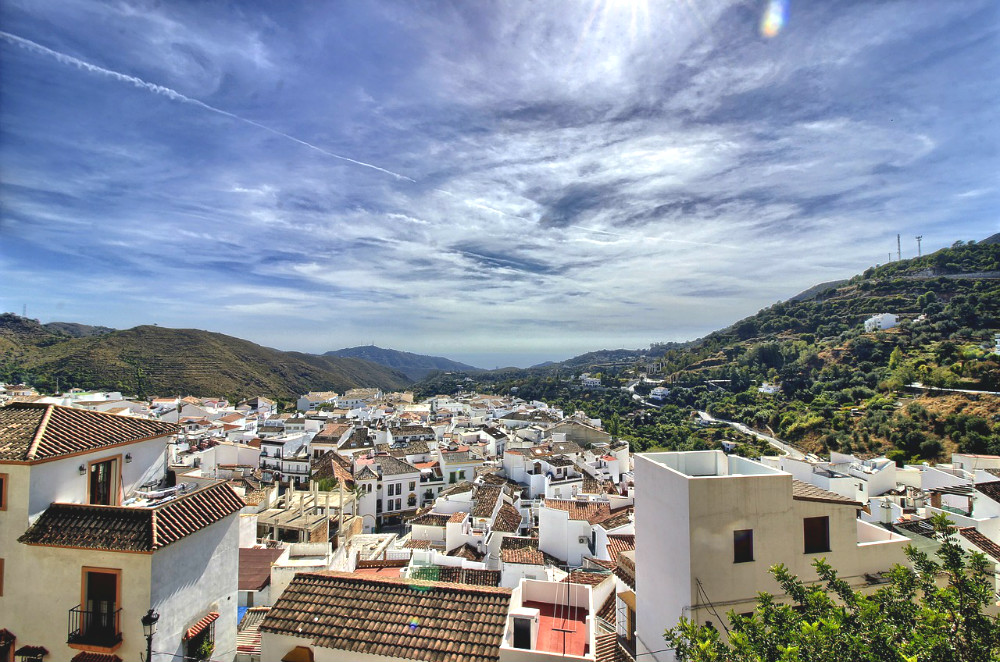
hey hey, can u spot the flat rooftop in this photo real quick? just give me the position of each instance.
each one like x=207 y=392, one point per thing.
x=700 y=464
x=562 y=629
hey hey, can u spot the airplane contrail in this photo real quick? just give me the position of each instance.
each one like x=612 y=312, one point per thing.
x=34 y=47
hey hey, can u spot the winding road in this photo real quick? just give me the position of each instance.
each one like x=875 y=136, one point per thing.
x=791 y=451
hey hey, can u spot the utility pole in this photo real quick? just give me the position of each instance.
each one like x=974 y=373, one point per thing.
x=899 y=249
x=919 y=237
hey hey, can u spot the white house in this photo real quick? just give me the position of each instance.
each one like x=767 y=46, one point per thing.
x=880 y=322
x=709 y=526
x=92 y=538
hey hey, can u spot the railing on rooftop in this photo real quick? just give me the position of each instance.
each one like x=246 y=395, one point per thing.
x=97 y=627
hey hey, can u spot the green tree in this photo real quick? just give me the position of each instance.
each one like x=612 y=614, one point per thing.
x=914 y=618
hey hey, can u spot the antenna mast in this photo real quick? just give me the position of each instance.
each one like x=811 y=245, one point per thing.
x=919 y=237
x=899 y=249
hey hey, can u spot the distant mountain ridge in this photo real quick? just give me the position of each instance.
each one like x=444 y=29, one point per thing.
x=149 y=360
x=414 y=366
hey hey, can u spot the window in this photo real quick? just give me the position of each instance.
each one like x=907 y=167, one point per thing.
x=103 y=483
x=411 y=501
x=816 y=531
x=399 y=504
x=413 y=485
x=743 y=546
x=202 y=645
x=3 y=491
x=451 y=476
x=97 y=621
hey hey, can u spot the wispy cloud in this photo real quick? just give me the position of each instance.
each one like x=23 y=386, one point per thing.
x=482 y=178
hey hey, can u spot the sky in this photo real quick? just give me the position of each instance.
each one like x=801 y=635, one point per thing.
x=500 y=183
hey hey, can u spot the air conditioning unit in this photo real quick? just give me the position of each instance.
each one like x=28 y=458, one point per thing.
x=584 y=540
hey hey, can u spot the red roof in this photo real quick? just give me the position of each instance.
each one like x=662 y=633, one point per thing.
x=90 y=656
x=255 y=567
x=196 y=629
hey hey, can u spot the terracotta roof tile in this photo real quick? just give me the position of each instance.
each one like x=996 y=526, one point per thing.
x=89 y=656
x=515 y=549
x=248 y=631
x=402 y=618
x=255 y=567
x=618 y=543
x=417 y=544
x=590 y=511
x=617 y=518
x=430 y=519
x=987 y=546
x=587 y=578
x=486 y=500
x=457 y=518
x=607 y=610
x=990 y=489
x=36 y=431
x=200 y=626
x=122 y=528
x=809 y=492
x=466 y=551
x=508 y=519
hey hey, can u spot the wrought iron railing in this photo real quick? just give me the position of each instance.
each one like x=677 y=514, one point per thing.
x=99 y=626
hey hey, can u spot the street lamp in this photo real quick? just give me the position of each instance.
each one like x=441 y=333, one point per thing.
x=149 y=629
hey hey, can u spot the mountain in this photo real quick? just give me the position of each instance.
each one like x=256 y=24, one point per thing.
x=149 y=360
x=838 y=387
x=414 y=366
x=77 y=330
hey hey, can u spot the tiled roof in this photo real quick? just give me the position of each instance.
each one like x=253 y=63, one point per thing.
x=120 y=528
x=457 y=518
x=36 y=431
x=521 y=550
x=430 y=519
x=921 y=527
x=255 y=567
x=248 y=631
x=617 y=518
x=405 y=618
x=89 y=656
x=457 y=575
x=466 y=551
x=366 y=473
x=994 y=472
x=486 y=500
x=587 y=578
x=198 y=627
x=591 y=511
x=508 y=519
x=990 y=489
x=607 y=610
x=625 y=568
x=809 y=492
x=457 y=488
x=986 y=545
x=417 y=544
x=618 y=543
x=393 y=467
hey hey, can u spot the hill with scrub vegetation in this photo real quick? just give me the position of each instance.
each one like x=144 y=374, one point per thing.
x=149 y=360
x=837 y=387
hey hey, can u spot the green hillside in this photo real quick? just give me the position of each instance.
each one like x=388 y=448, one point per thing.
x=839 y=387
x=151 y=360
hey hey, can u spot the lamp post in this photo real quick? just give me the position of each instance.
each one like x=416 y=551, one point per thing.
x=149 y=629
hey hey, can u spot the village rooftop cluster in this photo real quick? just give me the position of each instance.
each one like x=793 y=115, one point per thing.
x=367 y=526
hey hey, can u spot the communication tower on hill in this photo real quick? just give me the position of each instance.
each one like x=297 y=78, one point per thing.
x=919 y=237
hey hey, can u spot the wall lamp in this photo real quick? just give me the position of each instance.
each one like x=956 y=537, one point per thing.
x=83 y=470
x=128 y=458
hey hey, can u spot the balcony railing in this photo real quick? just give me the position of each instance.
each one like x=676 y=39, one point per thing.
x=98 y=627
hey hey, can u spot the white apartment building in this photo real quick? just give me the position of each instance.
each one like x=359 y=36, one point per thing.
x=708 y=526
x=90 y=541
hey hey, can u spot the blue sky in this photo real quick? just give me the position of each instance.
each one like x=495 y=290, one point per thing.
x=496 y=182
